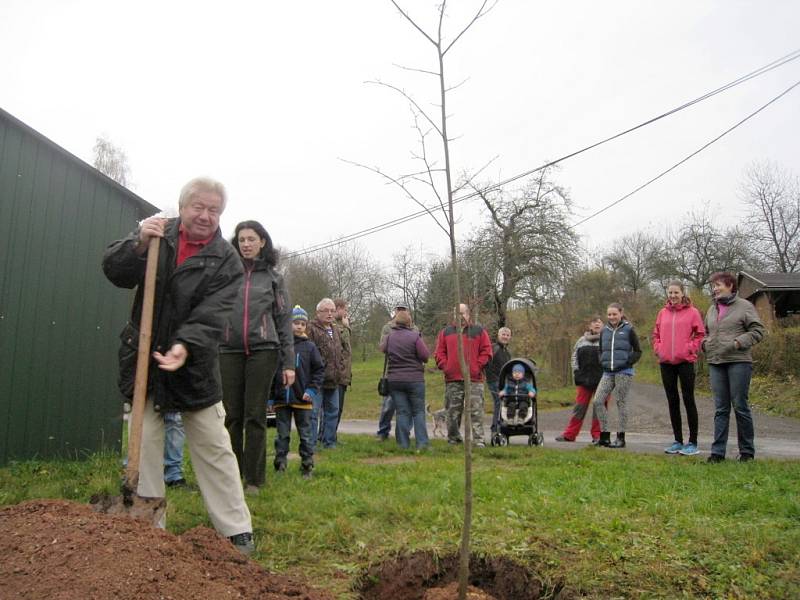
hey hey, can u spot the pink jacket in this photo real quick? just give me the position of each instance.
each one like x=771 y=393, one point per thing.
x=678 y=333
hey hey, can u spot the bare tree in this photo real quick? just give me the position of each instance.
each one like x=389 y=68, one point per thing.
x=634 y=258
x=773 y=197
x=429 y=176
x=528 y=237
x=698 y=248
x=111 y=160
x=407 y=278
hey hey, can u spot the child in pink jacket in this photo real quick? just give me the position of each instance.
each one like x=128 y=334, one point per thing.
x=677 y=336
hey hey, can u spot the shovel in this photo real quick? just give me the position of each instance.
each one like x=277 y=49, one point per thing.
x=130 y=503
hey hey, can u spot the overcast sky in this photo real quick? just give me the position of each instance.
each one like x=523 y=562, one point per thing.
x=268 y=97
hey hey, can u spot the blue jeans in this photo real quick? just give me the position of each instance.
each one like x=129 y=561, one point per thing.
x=173 y=446
x=385 y=421
x=409 y=400
x=283 y=422
x=730 y=385
x=494 y=391
x=324 y=429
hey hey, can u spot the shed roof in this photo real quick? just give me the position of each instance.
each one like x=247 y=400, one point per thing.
x=143 y=205
x=773 y=281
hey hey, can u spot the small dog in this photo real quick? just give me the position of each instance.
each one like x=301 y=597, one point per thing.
x=439 y=421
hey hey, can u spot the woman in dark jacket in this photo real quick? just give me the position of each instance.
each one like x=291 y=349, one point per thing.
x=258 y=332
x=406 y=355
x=619 y=351
x=732 y=328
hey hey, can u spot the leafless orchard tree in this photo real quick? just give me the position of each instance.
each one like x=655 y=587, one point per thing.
x=111 y=160
x=773 y=198
x=429 y=176
x=408 y=278
x=528 y=237
x=634 y=258
x=697 y=248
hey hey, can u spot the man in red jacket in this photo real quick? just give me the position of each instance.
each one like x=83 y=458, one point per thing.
x=477 y=353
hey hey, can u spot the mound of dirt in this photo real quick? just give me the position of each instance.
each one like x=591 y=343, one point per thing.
x=424 y=576
x=61 y=550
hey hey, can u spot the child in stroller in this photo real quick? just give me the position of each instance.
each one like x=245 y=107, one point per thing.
x=518 y=411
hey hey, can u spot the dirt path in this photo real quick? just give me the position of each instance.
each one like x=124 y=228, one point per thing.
x=649 y=429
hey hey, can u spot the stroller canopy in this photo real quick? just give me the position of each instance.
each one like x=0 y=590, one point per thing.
x=530 y=368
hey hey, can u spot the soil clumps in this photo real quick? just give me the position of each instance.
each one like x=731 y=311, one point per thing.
x=59 y=550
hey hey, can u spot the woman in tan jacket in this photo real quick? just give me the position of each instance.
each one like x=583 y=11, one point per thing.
x=732 y=328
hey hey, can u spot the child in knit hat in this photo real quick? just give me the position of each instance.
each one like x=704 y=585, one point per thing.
x=521 y=392
x=297 y=400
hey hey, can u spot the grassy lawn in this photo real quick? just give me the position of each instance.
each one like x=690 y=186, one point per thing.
x=362 y=400
x=607 y=524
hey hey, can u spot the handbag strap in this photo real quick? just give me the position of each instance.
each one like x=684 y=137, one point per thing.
x=386 y=354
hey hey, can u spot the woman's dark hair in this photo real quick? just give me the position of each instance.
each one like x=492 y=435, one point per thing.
x=726 y=278
x=268 y=253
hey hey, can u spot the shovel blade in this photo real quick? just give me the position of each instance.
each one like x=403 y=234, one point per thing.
x=150 y=510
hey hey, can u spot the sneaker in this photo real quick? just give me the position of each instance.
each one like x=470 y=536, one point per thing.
x=746 y=457
x=177 y=483
x=455 y=442
x=280 y=468
x=243 y=542
x=675 y=448
x=689 y=449
x=595 y=441
x=715 y=458
x=561 y=438
x=307 y=474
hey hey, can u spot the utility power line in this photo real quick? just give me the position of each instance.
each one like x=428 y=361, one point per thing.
x=744 y=78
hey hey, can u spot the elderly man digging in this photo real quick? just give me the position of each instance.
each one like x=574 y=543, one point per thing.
x=198 y=278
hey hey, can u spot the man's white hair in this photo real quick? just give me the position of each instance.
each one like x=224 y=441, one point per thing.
x=202 y=184
x=323 y=302
x=504 y=330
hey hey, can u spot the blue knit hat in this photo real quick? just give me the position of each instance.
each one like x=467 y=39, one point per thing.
x=518 y=368
x=298 y=314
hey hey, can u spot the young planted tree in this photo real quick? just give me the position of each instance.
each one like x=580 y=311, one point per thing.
x=433 y=178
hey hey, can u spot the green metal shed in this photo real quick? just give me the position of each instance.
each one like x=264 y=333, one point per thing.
x=59 y=316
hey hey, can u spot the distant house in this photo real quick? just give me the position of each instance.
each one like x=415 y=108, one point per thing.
x=775 y=295
x=59 y=317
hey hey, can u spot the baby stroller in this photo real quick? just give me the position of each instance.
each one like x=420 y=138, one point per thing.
x=518 y=413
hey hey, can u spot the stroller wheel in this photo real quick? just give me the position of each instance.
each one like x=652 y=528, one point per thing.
x=495 y=441
x=532 y=440
x=540 y=439
x=503 y=440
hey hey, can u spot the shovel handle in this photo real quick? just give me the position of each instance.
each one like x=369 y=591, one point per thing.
x=142 y=365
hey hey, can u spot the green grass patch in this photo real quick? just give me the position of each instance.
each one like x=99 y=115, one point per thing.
x=609 y=524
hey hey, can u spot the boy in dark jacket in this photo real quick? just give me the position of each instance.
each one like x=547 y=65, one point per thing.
x=587 y=372
x=297 y=400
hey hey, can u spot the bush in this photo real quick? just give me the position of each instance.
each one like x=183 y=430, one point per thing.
x=777 y=354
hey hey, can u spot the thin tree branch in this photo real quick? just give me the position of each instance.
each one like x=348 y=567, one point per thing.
x=410 y=99
x=478 y=15
x=410 y=20
x=458 y=85
x=402 y=186
x=416 y=70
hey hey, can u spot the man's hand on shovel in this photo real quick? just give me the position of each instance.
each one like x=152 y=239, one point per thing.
x=174 y=359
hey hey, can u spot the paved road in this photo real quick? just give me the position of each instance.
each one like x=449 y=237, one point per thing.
x=649 y=429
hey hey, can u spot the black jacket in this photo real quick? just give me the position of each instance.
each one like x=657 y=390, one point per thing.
x=500 y=356
x=261 y=318
x=309 y=372
x=192 y=302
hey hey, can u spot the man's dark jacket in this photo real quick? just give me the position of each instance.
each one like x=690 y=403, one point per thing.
x=500 y=356
x=192 y=302
x=332 y=351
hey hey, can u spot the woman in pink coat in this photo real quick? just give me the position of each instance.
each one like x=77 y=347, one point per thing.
x=677 y=336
